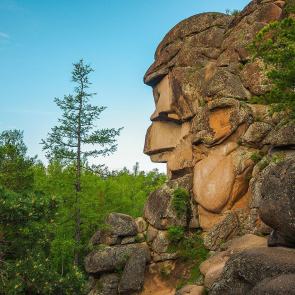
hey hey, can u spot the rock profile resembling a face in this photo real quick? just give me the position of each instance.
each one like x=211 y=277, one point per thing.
x=202 y=79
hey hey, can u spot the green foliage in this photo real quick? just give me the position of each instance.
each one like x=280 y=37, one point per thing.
x=257 y=156
x=249 y=176
x=15 y=167
x=278 y=157
x=181 y=201
x=175 y=234
x=181 y=283
x=164 y=273
x=263 y=164
x=67 y=142
x=191 y=249
x=202 y=103
x=232 y=12
x=25 y=255
x=275 y=46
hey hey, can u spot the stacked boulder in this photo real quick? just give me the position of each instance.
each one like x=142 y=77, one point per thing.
x=161 y=214
x=118 y=264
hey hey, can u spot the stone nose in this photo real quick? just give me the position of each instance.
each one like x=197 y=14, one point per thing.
x=161 y=136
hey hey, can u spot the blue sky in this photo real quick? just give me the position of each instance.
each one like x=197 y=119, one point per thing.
x=39 y=41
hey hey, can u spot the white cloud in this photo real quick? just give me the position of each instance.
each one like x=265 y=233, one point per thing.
x=4 y=35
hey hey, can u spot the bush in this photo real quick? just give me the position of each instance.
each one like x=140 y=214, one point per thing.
x=181 y=201
x=175 y=234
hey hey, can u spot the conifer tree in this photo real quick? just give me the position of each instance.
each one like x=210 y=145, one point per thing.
x=68 y=141
x=275 y=46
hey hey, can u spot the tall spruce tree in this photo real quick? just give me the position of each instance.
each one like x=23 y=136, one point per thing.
x=68 y=142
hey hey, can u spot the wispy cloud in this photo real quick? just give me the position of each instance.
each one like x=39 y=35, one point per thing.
x=11 y=127
x=4 y=35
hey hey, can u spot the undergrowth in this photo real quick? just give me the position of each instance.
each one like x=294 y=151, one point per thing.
x=191 y=251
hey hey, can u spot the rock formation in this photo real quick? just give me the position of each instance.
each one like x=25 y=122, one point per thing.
x=234 y=158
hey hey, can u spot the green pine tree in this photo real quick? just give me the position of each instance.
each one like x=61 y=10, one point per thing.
x=275 y=46
x=68 y=141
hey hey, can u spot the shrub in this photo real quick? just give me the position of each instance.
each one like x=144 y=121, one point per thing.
x=181 y=201
x=175 y=234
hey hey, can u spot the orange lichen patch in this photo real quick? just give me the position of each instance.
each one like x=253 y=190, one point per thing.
x=243 y=202
x=219 y=119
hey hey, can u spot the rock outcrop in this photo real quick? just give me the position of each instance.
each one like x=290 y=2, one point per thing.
x=203 y=79
x=125 y=261
x=235 y=160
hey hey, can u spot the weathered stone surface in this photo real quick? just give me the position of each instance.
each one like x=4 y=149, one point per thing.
x=217 y=120
x=128 y=240
x=224 y=231
x=226 y=84
x=208 y=219
x=108 y=285
x=159 y=211
x=190 y=290
x=194 y=26
x=96 y=239
x=282 y=285
x=160 y=243
x=106 y=259
x=231 y=248
x=242 y=272
x=253 y=77
x=212 y=274
x=133 y=274
x=276 y=239
x=141 y=224
x=121 y=224
x=108 y=239
x=151 y=233
x=277 y=205
x=256 y=132
x=164 y=256
x=216 y=190
x=284 y=136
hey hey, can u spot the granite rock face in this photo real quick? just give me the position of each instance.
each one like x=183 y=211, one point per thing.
x=277 y=205
x=243 y=272
x=202 y=78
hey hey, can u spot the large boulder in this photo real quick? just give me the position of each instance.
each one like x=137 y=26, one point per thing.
x=108 y=285
x=107 y=259
x=227 y=229
x=121 y=224
x=190 y=290
x=212 y=267
x=277 y=205
x=133 y=274
x=281 y=285
x=242 y=272
x=159 y=211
